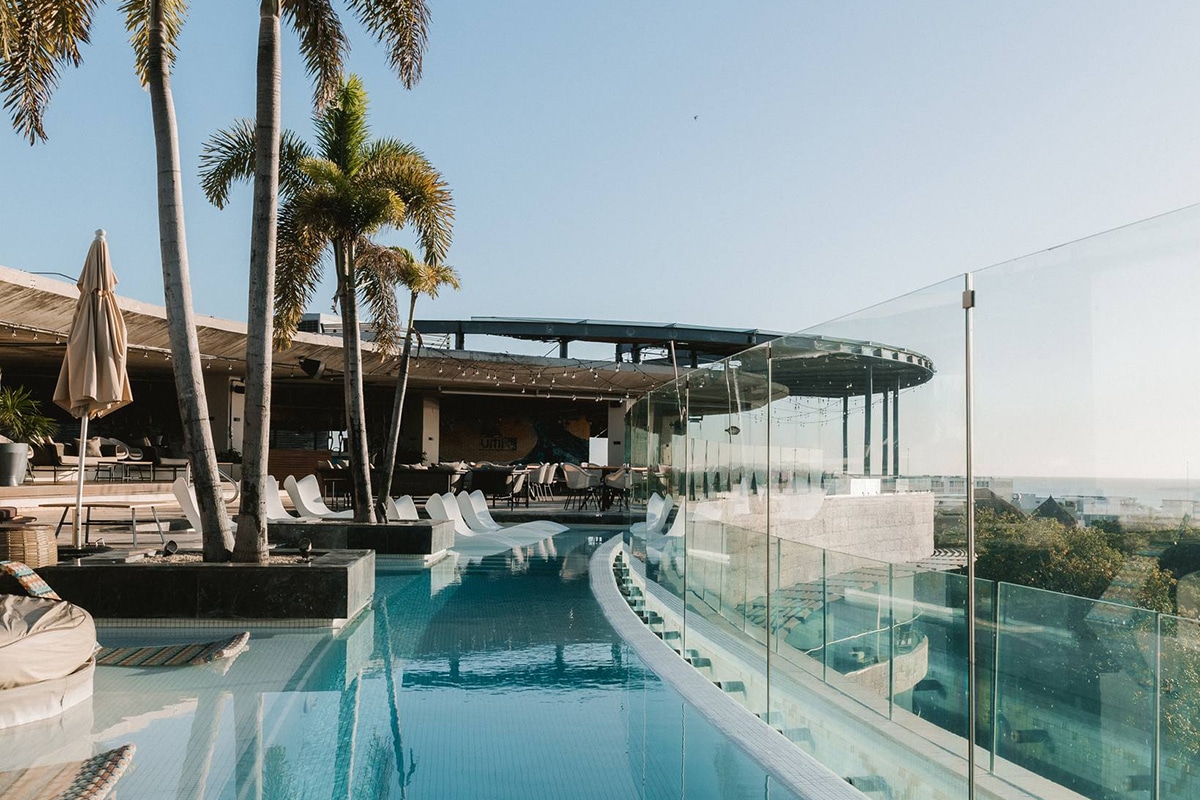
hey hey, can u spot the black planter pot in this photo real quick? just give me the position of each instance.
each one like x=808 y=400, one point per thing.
x=13 y=459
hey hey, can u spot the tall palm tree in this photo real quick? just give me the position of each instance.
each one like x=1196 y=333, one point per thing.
x=401 y=26
x=419 y=278
x=42 y=36
x=334 y=198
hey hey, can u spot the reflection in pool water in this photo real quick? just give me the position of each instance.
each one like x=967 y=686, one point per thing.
x=490 y=676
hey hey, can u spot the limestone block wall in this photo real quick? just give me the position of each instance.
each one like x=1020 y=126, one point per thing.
x=884 y=527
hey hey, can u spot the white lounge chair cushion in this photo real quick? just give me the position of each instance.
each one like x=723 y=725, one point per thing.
x=42 y=640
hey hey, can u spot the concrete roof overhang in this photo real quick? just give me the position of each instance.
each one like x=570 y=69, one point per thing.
x=36 y=312
x=707 y=341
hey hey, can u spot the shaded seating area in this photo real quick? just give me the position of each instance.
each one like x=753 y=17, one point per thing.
x=159 y=461
x=583 y=487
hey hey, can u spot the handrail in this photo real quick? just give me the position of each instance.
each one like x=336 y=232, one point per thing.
x=237 y=486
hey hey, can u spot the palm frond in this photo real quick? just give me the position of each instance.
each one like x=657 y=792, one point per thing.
x=429 y=206
x=323 y=44
x=39 y=37
x=402 y=26
x=376 y=268
x=292 y=152
x=297 y=271
x=319 y=210
x=322 y=172
x=342 y=130
x=227 y=156
x=396 y=265
x=137 y=23
x=428 y=279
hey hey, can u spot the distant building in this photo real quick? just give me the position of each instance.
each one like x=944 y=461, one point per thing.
x=1052 y=509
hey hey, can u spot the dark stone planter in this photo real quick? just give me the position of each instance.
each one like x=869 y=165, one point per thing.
x=332 y=588
x=421 y=538
x=13 y=458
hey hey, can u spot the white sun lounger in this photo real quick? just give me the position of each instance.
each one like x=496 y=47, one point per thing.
x=186 y=496
x=401 y=509
x=658 y=508
x=657 y=544
x=469 y=543
x=274 y=505
x=438 y=509
x=306 y=497
x=474 y=510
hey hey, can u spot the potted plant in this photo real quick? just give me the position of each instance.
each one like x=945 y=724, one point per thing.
x=21 y=424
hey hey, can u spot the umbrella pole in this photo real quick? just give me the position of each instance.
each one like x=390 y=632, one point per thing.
x=76 y=541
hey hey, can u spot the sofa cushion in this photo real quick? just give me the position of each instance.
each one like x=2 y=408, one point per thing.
x=42 y=639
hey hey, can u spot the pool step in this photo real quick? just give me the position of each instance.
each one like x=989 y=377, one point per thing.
x=772 y=718
x=871 y=785
x=731 y=687
x=802 y=737
x=700 y=662
x=652 y=618
x=669 y=636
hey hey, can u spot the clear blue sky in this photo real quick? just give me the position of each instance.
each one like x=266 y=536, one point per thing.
x=765 y=165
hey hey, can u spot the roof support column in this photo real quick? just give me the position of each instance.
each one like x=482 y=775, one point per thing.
x=562 y=347
x=896 y=428
x=845 y=434
x=887 y=461
x=870 y=396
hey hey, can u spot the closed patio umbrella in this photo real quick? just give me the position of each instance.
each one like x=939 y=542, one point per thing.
x=93 y=380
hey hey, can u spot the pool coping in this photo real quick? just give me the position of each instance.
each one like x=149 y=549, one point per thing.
x=798 y=771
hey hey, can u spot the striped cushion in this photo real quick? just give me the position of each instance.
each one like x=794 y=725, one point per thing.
x=30 y=581
x=173 y=655
x=90 y=779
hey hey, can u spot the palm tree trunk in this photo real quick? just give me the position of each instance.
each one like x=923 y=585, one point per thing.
x=393 y=441
x=352 y=378
x=251 y=541
x=177 y=290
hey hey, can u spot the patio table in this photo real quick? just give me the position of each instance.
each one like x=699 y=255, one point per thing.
x=131 y=507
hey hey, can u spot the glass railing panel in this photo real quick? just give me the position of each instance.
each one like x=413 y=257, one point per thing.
x=637 y=452
x=1178 y=704
x=1091 y=440
x=665 y=480
x=874 y=402
x=857 y=647
x=1074 y=691
x=794 y=611
x=726 y=540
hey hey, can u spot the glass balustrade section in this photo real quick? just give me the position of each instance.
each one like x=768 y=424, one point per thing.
x=822 y=484
x=725 y=533
x=1178 y=700
x=1086 y=401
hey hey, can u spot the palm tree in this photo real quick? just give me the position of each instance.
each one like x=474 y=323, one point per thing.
x=334 y=198
x=401 y=26
x=420 y=278
x=39 y=38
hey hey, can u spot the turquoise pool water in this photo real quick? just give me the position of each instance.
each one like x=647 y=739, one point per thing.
x=494 y=679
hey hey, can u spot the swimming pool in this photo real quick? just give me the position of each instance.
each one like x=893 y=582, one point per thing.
x=498 y=678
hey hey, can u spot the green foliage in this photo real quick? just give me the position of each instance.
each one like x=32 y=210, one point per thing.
x=1047 y=555
x=20 y=416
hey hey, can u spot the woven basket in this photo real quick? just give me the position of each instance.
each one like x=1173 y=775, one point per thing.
x=31 y=544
